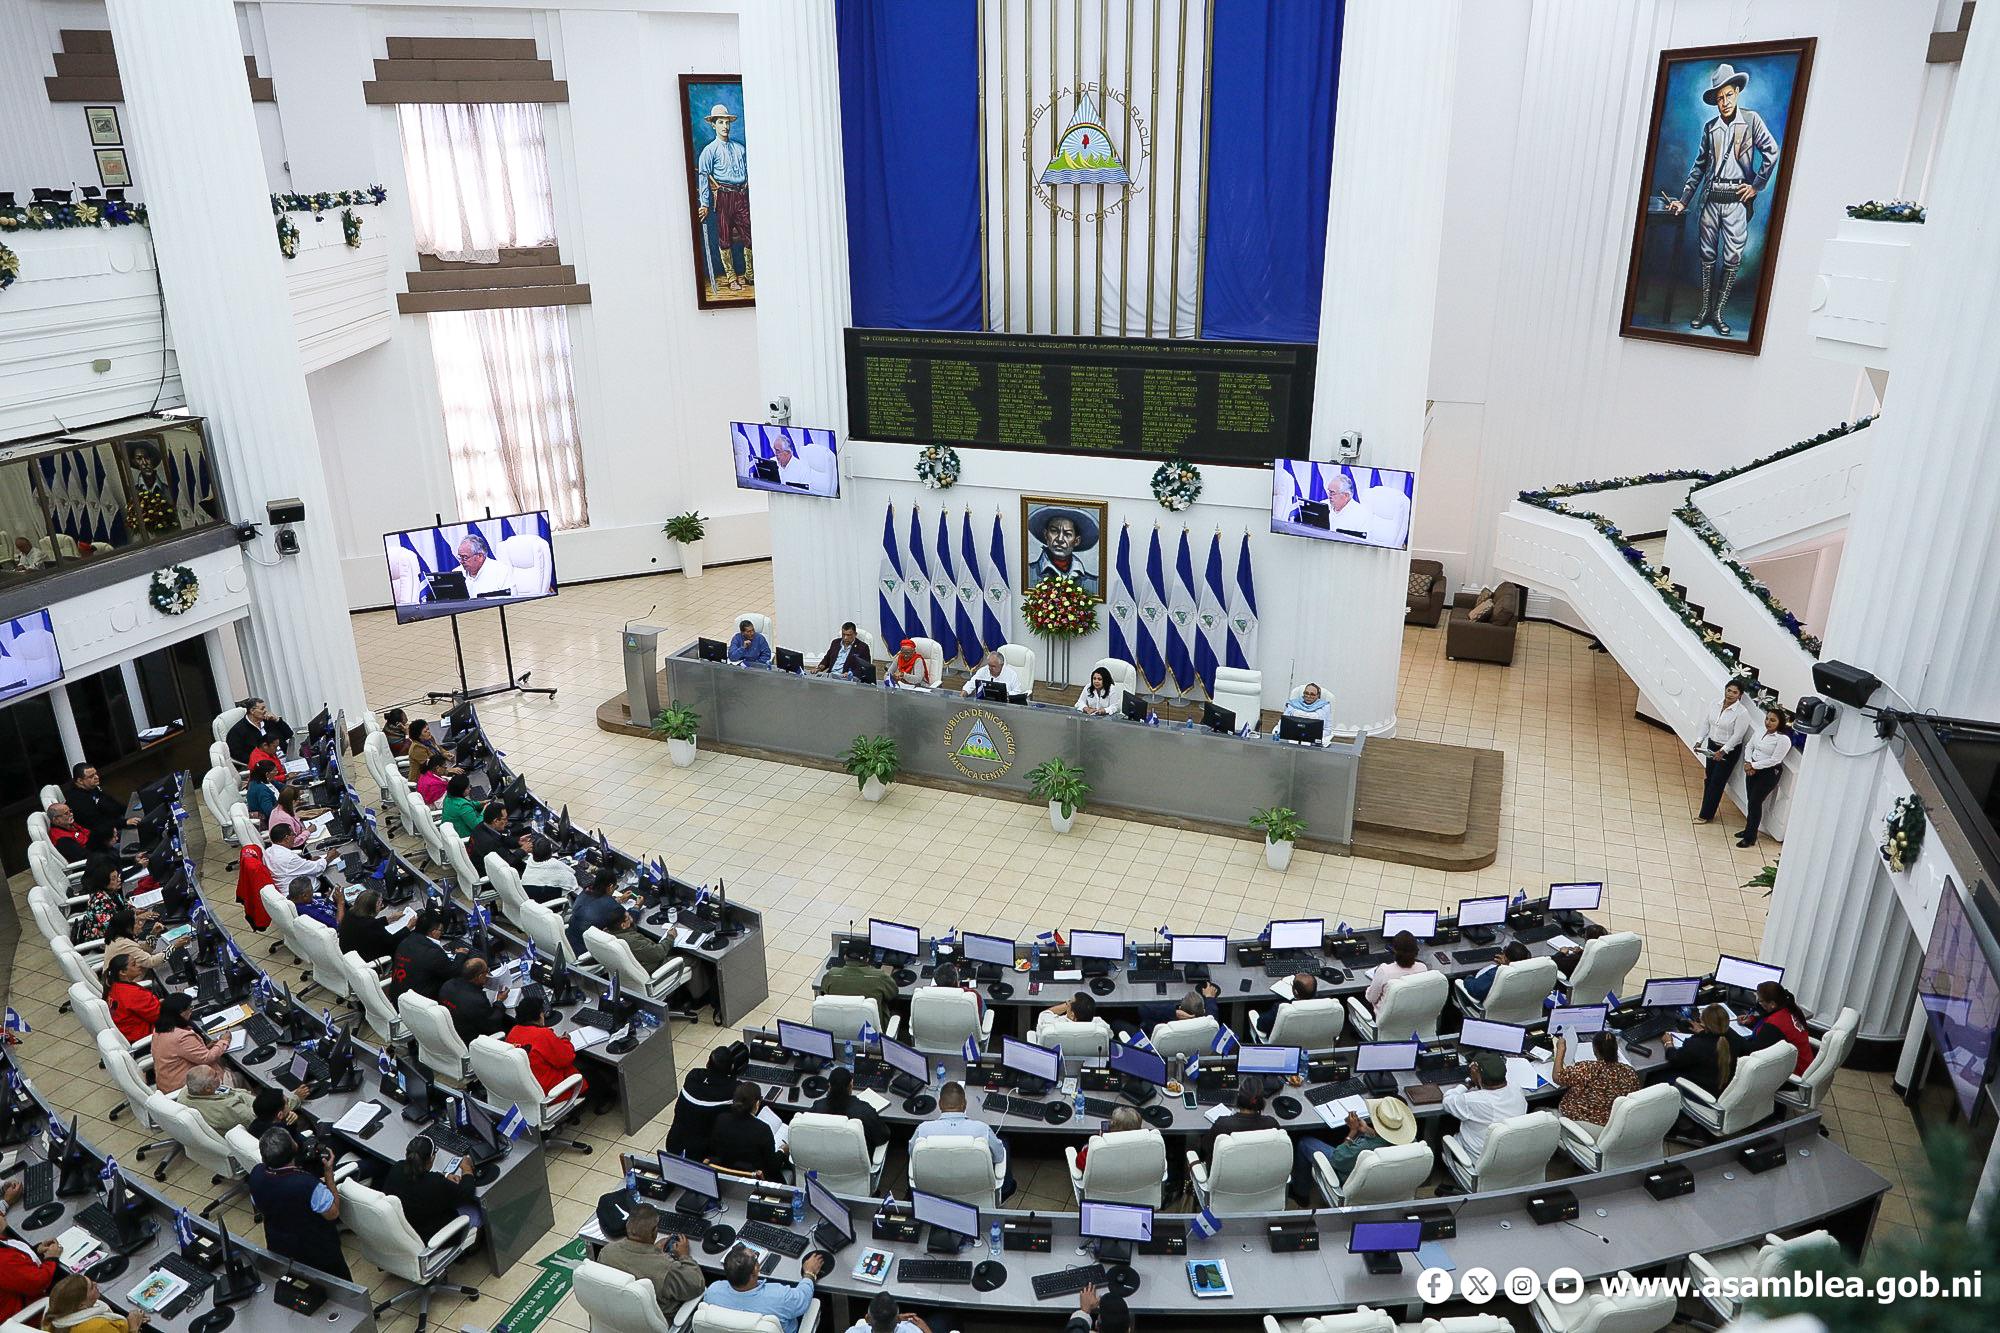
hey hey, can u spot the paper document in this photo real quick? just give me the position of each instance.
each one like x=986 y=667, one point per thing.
x=586 y=1036
x=148 y=735
x=1215 y=1113
x=359 y=1117
x=157 y=1289
x=226 y=1018
x=80 y=1249
x=1527 y=1076
x=238 y=1039
x=150 y=898
x=874 y=1099
x=1282 y=988
x=294 y=767
x=779 y=1129
x=1560 y=942
x=1334 y=1113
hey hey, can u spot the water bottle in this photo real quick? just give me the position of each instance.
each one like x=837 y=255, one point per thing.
x=847 y=1054
x=1034 y=957
x=941 y=1079
x=993 y=1241
x=798 y=1206
x=1131 y=955
x=1078 y=1104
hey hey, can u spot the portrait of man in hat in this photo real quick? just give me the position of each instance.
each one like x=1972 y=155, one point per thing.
x=1062 y=537
x=1725 y=124
x=720 y=181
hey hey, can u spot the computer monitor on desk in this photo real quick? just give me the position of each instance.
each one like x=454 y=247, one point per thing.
x=1206 y=950
x=1382 y=1244
x=952 y=1223
x=1305 y=730
x=1670 y=993
x=791 y=660
x=1031 y=1061
x=908 y=1062
x=1218 y=720
x=698 y=1184
x=1308 y=935
x=1272 y=1061
x=894 y=940
x=1576 y=1020
x=1584 y=896
x=1478 y=916
x=830 y=1211
x=1134 y=1062
x=1104 y=945
x=1135 y=707
x=1378 y=1062
x=801 y=1039
x=711 y=650
x=1116 y=1227
x=1423 y=925
x=989 y=950
x=1746 y=974
x=994 y=691
x=1479 y=1034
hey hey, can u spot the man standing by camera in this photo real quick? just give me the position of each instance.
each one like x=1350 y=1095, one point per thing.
x=295 y=1193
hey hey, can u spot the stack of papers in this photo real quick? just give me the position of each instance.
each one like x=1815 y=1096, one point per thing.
x=1334 y=1113
x=80 y=1249
x=1557 y=943
x=586 y=1036
x=157 y=1289
x=226 y=1018
x=360 y=1116
x=1528 y=1075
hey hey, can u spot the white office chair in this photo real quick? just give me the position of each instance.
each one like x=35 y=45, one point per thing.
x=867 y=637
x=1632 y=1310
x=505 y=1071
x=284 y=919
x=1517 y=994
x=1389 y=1174
x=942 y=1017
x=218 y=793
x=508 y=892
x=1361 y=1319
x=1023 y=661
x=130 y=1077
x=459 y=862
x=1314 y=1025
x=28 y=1319
x=376 y=1010
x=1776 y=1257
x=957 y=1167
x=406 y=575
x=1123 y=1166
x=203 y=1146
x=50 y=794
x=836 y=1147
x=439 y=1046
x=843 y=1015
x=1240 y=691
x=1805 y=1091
x=1409 y=1004
x=87 y=1003
x=758 y=621
x=388 y=1241
x=1248 y=1175
x=1750 y=1097
x=1178 y=1038
x=1635 y=1133
x=618 y=1302
x=54 y=925
x=533 y=561
x=52 y=868
x=615 y=957
x=1605 y=963
x=321 y=948
x=708 y=1318
x=1123 y=674
x=383 y=765
x=227 y=718
x=1517 y=1152
x=243 y=830
x=545 y=928
x=419 y=819
x=218 y=758
x=1075 y=1039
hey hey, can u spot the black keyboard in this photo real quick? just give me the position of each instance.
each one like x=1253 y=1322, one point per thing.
x=773 y=1237
x=96 y=1219
x=38 y=1185
x=681 y=1224
x=199 y=1280
x=1536 y=934
x=1290 y=966
x=1099 y=1107
x=449 y=1141
x=1066 y=1281
x=1473 y=955
x=317 y=1069
x=1331 y=1092
x=935 y=1270
x=1001 y=1104
x=1451 y=1073
x=1145 y=976
x=1650 y=1027
x=261 y=1031
x=595 y=1018
x=1214 y=1096
x=1368 y=960
x=784 y=1075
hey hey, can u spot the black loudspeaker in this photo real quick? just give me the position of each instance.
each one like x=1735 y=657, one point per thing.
x=1845 y=684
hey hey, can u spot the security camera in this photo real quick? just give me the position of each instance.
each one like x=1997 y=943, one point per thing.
x=1349 y=447
x=1814 y=714
x=781 y=411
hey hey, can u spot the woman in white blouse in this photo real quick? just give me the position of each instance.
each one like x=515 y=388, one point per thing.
x=1763 y=765
x=1721 y=748
x=1101 y=698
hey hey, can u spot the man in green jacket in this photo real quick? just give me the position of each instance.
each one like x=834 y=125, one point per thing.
x=854 y=976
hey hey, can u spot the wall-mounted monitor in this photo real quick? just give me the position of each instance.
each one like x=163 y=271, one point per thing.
x=1960 y=995
x=460 y=567
x=794 y=460
x=29 y=658
x=1343 y=502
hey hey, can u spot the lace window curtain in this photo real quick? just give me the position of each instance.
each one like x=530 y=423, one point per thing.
x=510 y=412
x=478 y=178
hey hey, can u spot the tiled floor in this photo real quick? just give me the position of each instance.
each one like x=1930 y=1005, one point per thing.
x=1591 y=792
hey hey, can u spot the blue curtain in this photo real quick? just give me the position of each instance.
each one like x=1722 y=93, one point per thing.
x=1275 y=65
x=909 y=119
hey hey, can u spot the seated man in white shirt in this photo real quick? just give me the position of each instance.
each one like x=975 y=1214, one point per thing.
x=1484 y=1102
x=952 y=1121
x=993 y=668
x=1078 y=1008
x=484 y=576
x=548 y=877
x=884 y=1317
x=286 y=858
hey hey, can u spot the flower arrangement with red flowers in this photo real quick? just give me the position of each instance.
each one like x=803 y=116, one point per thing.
x=1059 y=608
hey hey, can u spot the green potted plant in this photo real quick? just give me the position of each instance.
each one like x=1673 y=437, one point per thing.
x=678 y=724
x=1281 y=826
x=1061 y=784
x=873 y=760
x=686 y=532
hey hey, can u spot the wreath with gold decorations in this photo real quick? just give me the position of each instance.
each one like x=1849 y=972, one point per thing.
x=173 y=592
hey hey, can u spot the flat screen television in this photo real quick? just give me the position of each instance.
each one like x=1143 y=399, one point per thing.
x=29 y=658
x=795 y=460
x=1342 y=502
x=1960 y=995
x=460 y=567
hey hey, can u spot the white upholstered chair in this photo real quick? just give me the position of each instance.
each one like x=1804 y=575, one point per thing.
x=388 y=1241
x=1241 y=691
x=1249 y=1173
x=116 y=1055
x=1776 y=1257
x=1123 y=1166
x=1605 y=963
x=203 y=1145
x=376 y=1010
x=1632 y=1309
x=615 y=956
x=508 y=1078
x=1179 y=1038
x=439 y=1046
x=1314 y=1025
x=1805 y=1091
x=1750 y=1097
x=1023 y=661
x=1075 y=1039
x=618 y=1302
x=710 y=1318
x=1517 y=993
x=836 y=1147
x=1517 y=1152
x=1409 y=1004
x=1388 y=1174
x=1123 y=674
x=843 y=1015
x=942 y=1017
x=1635 y=1133
x=957 y=1167
x=534 y=564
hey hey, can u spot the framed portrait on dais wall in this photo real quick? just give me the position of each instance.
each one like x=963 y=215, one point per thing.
x=1064 y=536
x=718 y=189
x=1719 y=150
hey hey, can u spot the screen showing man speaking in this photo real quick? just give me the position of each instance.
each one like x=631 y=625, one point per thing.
x=460 y=567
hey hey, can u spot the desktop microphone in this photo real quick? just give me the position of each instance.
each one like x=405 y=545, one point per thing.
x=1588 y=1232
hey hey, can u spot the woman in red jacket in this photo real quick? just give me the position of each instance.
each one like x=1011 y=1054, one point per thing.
x=26 y=1272
x=134 y=1009
x=552 y=1058
x=252 y=875
x=1779 y=1018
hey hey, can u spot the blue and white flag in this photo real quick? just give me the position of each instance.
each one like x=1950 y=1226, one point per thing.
x=1139 y=1041
x=1206 y=1224
x=944 y=592
x=965 y=617
x=1211 y=634
x=1121 y=608
x=971 y=1050
x=529 y=952
x=1193 y=1065
x=183 y=1228
x=1182 y=604
x=1153 y=629
x=1048 y=937
x=459 y=1115
x=16 y=1023
x=1521 y=898
x=1164 y=933
x=1225 y=1042
x=514 y=1125
x=326 y=1021
x=614 y=992
x=109 y=1171
x=386 y=1063
x=867 y=1035
x=1611 y=998
x=916 y=586
x=996 y=617
x=1344 y=931
x=1242 y=648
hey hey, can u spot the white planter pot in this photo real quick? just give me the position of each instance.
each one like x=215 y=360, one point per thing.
x=681 y=752
x=1057 y=820
x=874 y=789
x=691 y=558
x=1277 y=855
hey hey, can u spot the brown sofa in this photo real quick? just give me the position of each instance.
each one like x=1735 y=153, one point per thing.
x=1428 y=609
x=1469 y=640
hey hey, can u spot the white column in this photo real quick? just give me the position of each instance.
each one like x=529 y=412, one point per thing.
x=66 y=726
x=791 y=92
x=1918 y=602
x=133 y=696
x=1391 y=139
x=33 y=154
x=188 y=116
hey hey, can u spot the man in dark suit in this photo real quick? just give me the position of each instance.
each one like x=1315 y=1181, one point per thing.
x=492 y=836
x=95 y=808
x=420 y=963
x=847 y=656
x=473 y=1012
x=258 y=726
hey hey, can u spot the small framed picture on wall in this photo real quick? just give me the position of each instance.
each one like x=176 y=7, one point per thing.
x=103 y=122
x=112 y=169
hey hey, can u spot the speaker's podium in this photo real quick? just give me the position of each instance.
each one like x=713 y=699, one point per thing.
x=642 y=667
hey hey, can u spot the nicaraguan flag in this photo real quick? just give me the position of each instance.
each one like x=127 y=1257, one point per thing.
x=528 y=952
x=109 y=1172
x=1153 y=628
x=1225 y=1042
x=889 y=582
x=1242 y=647
x=1164 y=933
x=1121 y=608
x=996 y=623
x=944 y=592
x=1206 y=1224
x=916 y=587
x=1211 y=620
x=387 y=1064
x=965 y=616
x=514 y=1125
x=1193 y=1065
x=1139 y=1041
x=326 y=1021
x=1181 y=628
x=183 y=1228
x=971 y=1050
x=614 y=992
x=16 y=1023
x=867 y=1035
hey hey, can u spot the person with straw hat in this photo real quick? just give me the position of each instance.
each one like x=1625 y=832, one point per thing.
x=1389 y=1123
x=722 y=188
x=1737 y=159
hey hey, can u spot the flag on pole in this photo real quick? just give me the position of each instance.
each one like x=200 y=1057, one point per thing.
x=971 y=1050
x=889 y=582
x=1225 y=1042
x=1206 y=1224
x=944 y=592
x=1181 y=627
x=1211 y=619
x=916 y=587
x=1242 y=611
x=1121 y=608
x=183 y=1228
x=965 y=619
x=1139 y=1041
x=996 y=624
x=386 y=1063
x=1151 y=648
x=1192 y=1067
x=514 y=1125
x=16 y=1023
